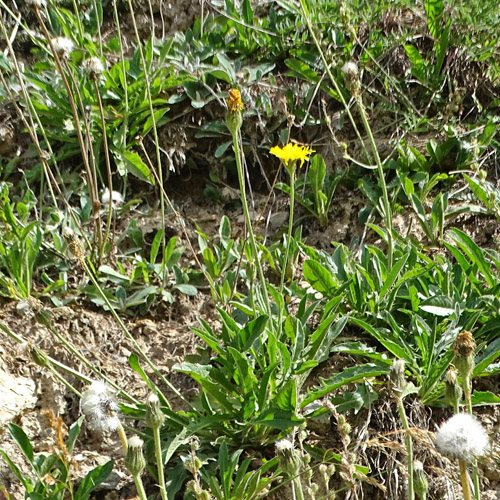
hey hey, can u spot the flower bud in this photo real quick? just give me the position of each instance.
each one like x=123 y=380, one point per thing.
x=38 y=356
x=154 y=415
x=453 y=391
x=134 y=460
x=397 y=376
x=288 y=458
x=420 y=480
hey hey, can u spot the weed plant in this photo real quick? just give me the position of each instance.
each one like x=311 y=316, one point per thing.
x=285 y=353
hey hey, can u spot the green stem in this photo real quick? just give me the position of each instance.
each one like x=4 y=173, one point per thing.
x=140 y=487
x=131 y=339
x=297 y=489
x=75 y=352
x=253 y=245
x=409 y=449
x=290 y=227
x=67 y=369
x=153 y=122
x=123 y=437
x=159 y=463
x=63 y=380
x=330 y=74
x=380 y=169
x=467 y=387
x=108 y=167
x=124 y=74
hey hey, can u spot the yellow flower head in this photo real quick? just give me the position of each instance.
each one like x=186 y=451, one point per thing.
x=234 y=103
x=291 y=153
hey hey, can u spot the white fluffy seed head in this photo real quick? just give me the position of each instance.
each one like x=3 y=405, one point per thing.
x=135 y=442
x=284 y=445
x=100 y=408
x=115 y=196
x=350 y=69
x=462 y=437
x=36 y=3
x=94 y=66
x=63 y=46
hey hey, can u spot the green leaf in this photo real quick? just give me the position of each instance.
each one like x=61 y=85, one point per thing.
x=186 y=289
x=73 y=433
x=93 y=479
x=488 y=356
x=247 y=12
x=22 y=440
x=434 y=10
x=277 y=419
x=439 y=305
x=347 y=376
x=25 y=481
x=128 y=161
x=133 y=361
x=484 y=398
x=393 y=274
x=322 y=339
x=287 y=397
x=4 y=63
x=362 y=397
x=155 y=246
x=319 y=278
x=396 y=345
x=475 y=254
x=414 y=56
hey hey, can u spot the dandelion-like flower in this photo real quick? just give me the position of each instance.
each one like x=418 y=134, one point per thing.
x=234 y=103
x=233 y=115
x=291 y=154
x=100 y=407
x=462 y=437
x=63 y=46
x=94 y=66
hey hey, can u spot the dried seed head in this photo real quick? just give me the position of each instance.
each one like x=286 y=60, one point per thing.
x=462 y=437
x=63 y=46
x=464 y=345
x=100 y=407
x=134 y=460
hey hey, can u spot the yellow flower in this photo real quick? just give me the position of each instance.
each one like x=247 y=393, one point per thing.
x=234 y=103
x=291 y=153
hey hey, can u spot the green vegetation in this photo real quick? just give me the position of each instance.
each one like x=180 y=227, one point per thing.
x=402 y=103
